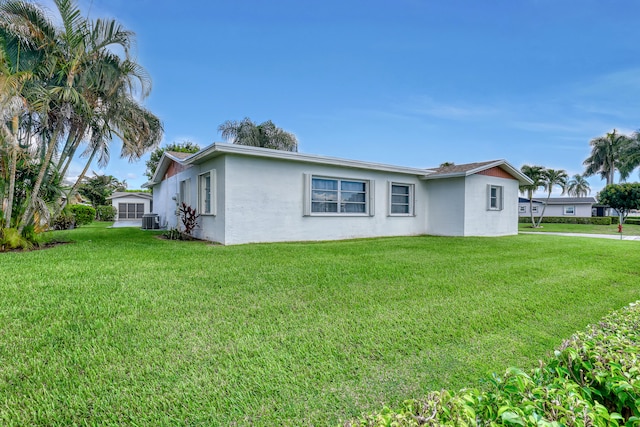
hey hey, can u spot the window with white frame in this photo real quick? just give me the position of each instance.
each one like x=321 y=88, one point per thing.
x=495 y=197
x=185 y=187
x=339 y=196
x=522 y=209
x=534 y=209
x=401 y=199
x=569 y=210
x=206 y=193
x=130 y=210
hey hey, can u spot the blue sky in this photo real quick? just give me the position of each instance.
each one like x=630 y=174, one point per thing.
x=406 y=82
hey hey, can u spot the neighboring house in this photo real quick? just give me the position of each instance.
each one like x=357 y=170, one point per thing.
x=130 y=208
x=560 y=206
x=248 y=194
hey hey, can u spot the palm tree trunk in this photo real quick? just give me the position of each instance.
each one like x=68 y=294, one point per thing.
x=28 y=213
x=12 y=170
x=533 y=221
x=77 y=183
x=543 y=208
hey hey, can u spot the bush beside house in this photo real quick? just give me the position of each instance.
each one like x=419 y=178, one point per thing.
x=592 y=380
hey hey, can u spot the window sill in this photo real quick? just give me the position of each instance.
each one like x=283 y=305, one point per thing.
x=340 y=214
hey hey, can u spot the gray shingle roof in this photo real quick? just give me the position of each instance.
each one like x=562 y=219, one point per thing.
x=446 y=170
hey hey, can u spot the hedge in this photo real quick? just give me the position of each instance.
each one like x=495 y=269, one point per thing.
x=595 y=220
x=106 y=213
x=83 y=214
x=593 y=379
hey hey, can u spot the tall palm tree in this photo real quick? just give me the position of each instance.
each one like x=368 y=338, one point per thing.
x=535 y=173
x=266 y=135
x=578 y=186
x=550 y=179
x=607 y=156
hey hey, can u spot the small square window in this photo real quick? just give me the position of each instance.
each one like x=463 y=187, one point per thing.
x=522 y=209
x=534 y=209
x=569 y=210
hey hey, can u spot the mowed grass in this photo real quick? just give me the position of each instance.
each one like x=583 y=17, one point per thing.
x=121 y=328
x=627 y=229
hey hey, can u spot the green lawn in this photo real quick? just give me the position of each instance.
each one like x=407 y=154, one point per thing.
x=627 y=229
x=122 y=328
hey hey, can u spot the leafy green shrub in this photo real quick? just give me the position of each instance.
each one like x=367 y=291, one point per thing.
x=595 y=220
x=64 y=221
x=83 y=214
x=633 y=221
x=106 y=213
x=592 y=380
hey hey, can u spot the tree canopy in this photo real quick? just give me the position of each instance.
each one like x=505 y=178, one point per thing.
x=621 y=197
x=611 y=153
x=266 y=135
x=97 y=188
x=180 y=147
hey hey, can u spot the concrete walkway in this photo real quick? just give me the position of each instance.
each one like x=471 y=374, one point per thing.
x=596 y=236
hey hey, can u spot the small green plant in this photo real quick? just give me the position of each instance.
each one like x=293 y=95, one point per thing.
x=10 y=238
x=172 y=234
x=83 y=214
x=106 y=213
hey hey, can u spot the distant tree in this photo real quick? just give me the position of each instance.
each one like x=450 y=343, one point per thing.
x=578 y=186
x=447 y=164
x=551 y=178
x=621 y=197
x=98 y=187
x=535 y=174
x=266 y=135
x=608 y=154
x=180 y=147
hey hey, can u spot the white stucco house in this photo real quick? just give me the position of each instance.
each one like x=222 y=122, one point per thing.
x=584 y=207
x=130 y=208
x=248 y=194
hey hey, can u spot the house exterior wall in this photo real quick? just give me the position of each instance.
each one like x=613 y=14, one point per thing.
x=445 y=206
x=581 y=210
x=479 y=220
x=166 y=200
x=265 y=201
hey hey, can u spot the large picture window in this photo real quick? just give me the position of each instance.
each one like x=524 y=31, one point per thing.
x=400 y=199
x=130 y=210
x=569 y=210
x=338 y=196
x=206 y=196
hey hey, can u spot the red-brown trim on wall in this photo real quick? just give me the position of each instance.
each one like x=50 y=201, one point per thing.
x=497 y=172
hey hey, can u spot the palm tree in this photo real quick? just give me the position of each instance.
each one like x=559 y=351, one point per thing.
x=550 y=179
x=535 y=173
x=578 y=186
x=607 y=156
x=266 y=135
x=84 y=90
